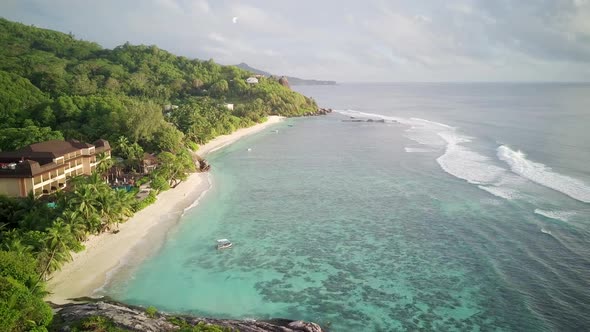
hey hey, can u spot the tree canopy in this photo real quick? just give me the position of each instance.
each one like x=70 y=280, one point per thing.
x=140 y=98
x=52 y=80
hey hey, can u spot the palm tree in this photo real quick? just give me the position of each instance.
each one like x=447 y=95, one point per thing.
x=56 y=250
x=18 y=247
x=84 y=201
x=107 y=210
x=105 y=163
x=122 y=205
x=122 y=146
x=74 y=220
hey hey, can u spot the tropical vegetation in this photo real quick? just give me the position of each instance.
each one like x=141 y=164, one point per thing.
x=140 y=98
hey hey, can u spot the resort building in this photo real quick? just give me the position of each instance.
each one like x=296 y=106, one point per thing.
x=149 y=163
x=45 y=167
x=252 y=80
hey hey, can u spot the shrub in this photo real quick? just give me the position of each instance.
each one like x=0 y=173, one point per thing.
x=192 y=145
x=159 y=183
x=142 y=180
x=149 y=200
x=20 y=310
x=97 y=324
x=19 y=267
x=151 y=311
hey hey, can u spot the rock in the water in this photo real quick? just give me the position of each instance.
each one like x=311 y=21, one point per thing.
x=204 y=166
x=136 y=319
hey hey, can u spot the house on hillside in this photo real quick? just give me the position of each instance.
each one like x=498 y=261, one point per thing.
x=149 y=163
x=229 y=106
x=168 y=108
x=252 y=80
x=43 y=168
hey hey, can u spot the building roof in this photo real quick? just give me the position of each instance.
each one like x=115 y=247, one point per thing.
x=55 y=147
x=39 y=157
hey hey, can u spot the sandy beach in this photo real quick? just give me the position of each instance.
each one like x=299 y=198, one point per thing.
x=88 y=269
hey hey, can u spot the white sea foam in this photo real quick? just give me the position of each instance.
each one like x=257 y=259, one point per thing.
x=502 y=192
x=465 y=164
x=196 y=202
x=457 y=160
x=557 y=215
x=544 y=175
x=432 y=123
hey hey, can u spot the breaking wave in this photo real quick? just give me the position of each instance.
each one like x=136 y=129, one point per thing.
x=544 y=175
x=506 y=193
x=464 y=163
x=457 y=159
x=557 y=215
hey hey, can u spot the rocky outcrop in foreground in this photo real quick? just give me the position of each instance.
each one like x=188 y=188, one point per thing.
x=136 y=319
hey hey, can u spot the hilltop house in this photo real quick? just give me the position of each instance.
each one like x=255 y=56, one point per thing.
x=45 y=167
x=252 y=80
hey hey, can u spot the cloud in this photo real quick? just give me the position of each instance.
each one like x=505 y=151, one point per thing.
x=371 y=40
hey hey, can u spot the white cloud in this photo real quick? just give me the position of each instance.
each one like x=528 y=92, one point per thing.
x=371 y=40
x=217 y=37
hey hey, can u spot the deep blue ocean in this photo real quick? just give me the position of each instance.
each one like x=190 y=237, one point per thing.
x=460 y=207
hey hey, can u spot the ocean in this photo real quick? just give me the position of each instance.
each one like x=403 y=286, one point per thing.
x=459 y=207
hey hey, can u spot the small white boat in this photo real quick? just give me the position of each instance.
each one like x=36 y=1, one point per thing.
x=543 y=230
x=223 y=244
x=249 y=149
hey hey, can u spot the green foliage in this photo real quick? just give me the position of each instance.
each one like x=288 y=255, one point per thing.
x=18 y=266
x=199 y=327
x=17 y=94
x=159 y=183
x=20 y=309
x=149 y=200
x=53 y=86
x=169 y=139
x=16 y=138
x=49 y=79
x=97 y=324
x=175 y=167
x=151 y=311
x=219 y=88
x=192 y=145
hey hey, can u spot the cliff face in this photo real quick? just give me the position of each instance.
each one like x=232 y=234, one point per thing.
x=136 y=319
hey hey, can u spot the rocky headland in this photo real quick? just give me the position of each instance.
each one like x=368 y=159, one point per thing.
x=68 y=317
x=319 y=111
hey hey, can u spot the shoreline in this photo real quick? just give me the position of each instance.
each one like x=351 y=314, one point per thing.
x=89 y=269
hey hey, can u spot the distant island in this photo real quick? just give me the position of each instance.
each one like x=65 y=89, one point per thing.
x=292 y=80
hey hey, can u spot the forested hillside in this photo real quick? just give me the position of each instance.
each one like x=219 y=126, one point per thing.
x=52 y=80
x=141 y=99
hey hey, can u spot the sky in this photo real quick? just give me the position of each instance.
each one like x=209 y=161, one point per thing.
x=343 y=40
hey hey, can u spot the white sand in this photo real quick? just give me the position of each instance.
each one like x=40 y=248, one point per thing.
x=88 y=269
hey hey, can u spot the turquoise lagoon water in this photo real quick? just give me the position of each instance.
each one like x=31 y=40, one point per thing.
x=475 y=220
